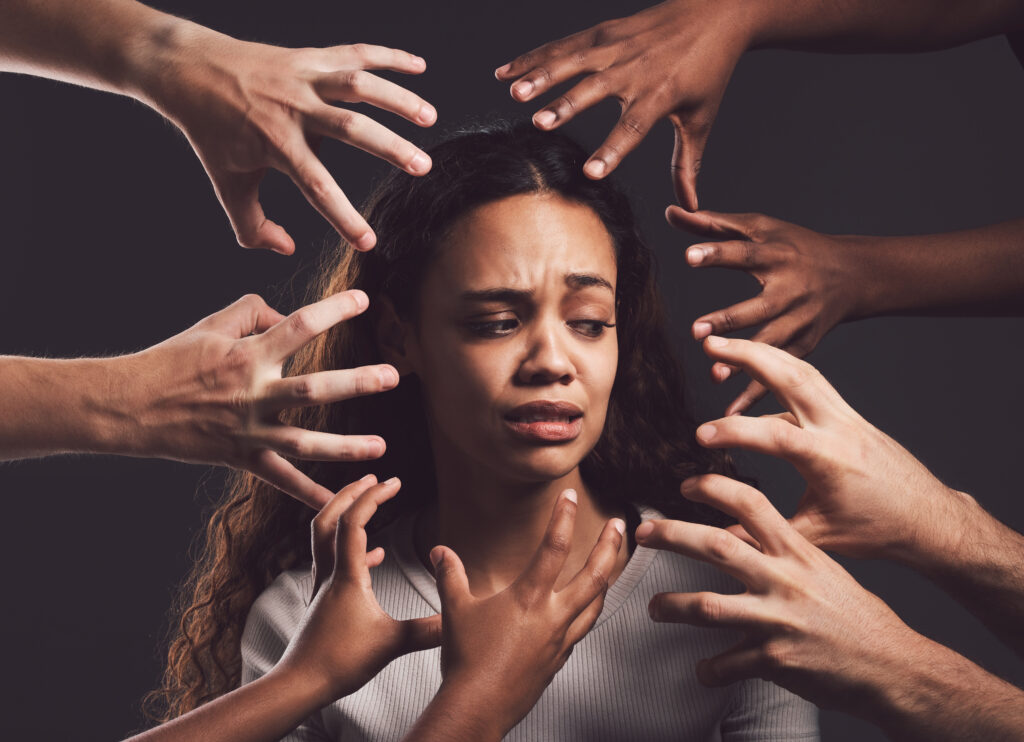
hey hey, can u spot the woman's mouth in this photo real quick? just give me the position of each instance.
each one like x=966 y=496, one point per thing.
x=545 y=421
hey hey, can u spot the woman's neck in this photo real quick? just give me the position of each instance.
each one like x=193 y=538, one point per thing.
x=495 y=525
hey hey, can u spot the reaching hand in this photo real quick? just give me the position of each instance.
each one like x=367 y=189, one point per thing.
x=213 y=393
x=506 y=648
x=346 y=638
x=672 y=60
x=866 y=496
x=808 y=281
x=808 y=625
x=246 y=107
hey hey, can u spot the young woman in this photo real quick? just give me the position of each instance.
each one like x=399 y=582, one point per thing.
x=518 y=303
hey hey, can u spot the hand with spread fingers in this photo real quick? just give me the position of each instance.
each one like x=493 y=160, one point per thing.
x=811 y=282
x=499 y=653
x=244 y=107
x=672 y=60
x=343 y=641
x=866 y=495
x=808 y=626
x=213 y=394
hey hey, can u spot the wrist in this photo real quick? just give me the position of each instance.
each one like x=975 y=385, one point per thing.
x=938 y=542
x=475 y=715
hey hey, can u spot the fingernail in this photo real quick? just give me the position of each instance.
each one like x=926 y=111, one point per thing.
x=544 y=119
x=366 y=241
x=502 y=70
x=368 y=477
x=715 y=341
x=388 y=376
x=701 y=330
x=361 y=299
x=375 y=448
x=393 y=481
x=595 y=168
x=706 y=432
x=522 y=88
x=619 y=525
x=652 y=608
x=724 y=372
x=695 y=255
x=420 y=163
x=427 y=114
x=644 y=530
x=570 y=495
x=687 y=485
x=436 y=556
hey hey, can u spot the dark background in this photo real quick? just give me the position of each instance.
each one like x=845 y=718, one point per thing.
x=113 y=240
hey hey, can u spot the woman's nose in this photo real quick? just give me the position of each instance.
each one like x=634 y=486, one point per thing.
x=547 y=359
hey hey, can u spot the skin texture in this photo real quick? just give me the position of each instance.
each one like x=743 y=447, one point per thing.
x=852 y=468
x=496 y=491
x=344 y=639
x=809 y=627
x=674 y=60
x=211 y=394
x=499 y=653
x=811 y=282
x=244 y=107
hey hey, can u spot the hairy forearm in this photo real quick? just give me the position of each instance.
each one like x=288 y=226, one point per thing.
x=880 y=25
x=52 y=406
x=980 y=562
x=265 y=709
x=120 y=46
x=928 y=692
x=977 y=272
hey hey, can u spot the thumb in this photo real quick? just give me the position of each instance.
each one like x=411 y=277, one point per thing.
x=686 y=162
x=421 y=633
x=239 y=195
x=452 y=583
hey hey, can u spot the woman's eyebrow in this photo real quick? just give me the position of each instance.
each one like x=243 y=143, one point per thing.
x=579 y=281
x=501 y=294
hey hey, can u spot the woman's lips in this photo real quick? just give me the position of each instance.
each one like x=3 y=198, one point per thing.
x=545 y=422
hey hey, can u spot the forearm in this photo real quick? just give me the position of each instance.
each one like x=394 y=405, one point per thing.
x=980 y=562
x=457 y=715
x=880 y=25
x=52 y=406
x=120 y=46
x=265 y=709
x=974 y=272
x=930 y=693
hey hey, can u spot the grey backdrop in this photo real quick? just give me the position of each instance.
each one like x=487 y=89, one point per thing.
x=112 y=241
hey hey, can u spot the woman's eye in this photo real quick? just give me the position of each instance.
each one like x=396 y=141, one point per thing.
x=590 y=328
x=493 y=328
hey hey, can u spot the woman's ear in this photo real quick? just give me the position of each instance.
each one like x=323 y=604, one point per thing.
x=395 y=338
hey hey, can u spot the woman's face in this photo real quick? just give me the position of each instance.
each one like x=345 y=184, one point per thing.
x=512 y=344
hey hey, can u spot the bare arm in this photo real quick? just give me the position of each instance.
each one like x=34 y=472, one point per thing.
x=810 y=627
x=211 y=394
x=811 y=282
x=674 y=60
x=243 y=106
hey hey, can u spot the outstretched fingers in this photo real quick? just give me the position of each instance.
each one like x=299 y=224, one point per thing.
x=350 y=534
x=542 y=572
x=327 y=387
x=771 y=435
x=584 y=595
x=323 y=529
x=749 y=506
x=706 y=609
x=285 y=338
x=273 y=469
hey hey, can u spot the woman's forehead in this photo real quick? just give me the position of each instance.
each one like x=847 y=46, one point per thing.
x=525 y=241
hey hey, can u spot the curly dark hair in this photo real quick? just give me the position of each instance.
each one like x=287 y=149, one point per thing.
x=647 y=446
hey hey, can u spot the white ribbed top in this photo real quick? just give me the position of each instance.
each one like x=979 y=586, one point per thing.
x=628 y=679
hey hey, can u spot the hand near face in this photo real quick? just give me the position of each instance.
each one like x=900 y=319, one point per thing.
x=346 y=638
x=808 y=283
x=866 y=495
x=247 y=107
x=808 y=625
x=672 y=60
x=213 y=394
x=506 y=648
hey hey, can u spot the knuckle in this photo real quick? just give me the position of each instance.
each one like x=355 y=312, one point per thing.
x=360 y=50
x=721 y=545
x=303 y=321
x=749 y=255
x=633 y=125
x=598 y=580
x=294 y=444
x=567 y=105
x=558 y=543
x=357 y=82
x=709 y=607
x=579 y=58
x=776 y=655
x=305 y=389
x=726 y=321
x=368 y=382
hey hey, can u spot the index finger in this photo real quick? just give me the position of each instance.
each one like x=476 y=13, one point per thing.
x=535 y=57
x=795 y=383
x=550 y=557
x=286 y=337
